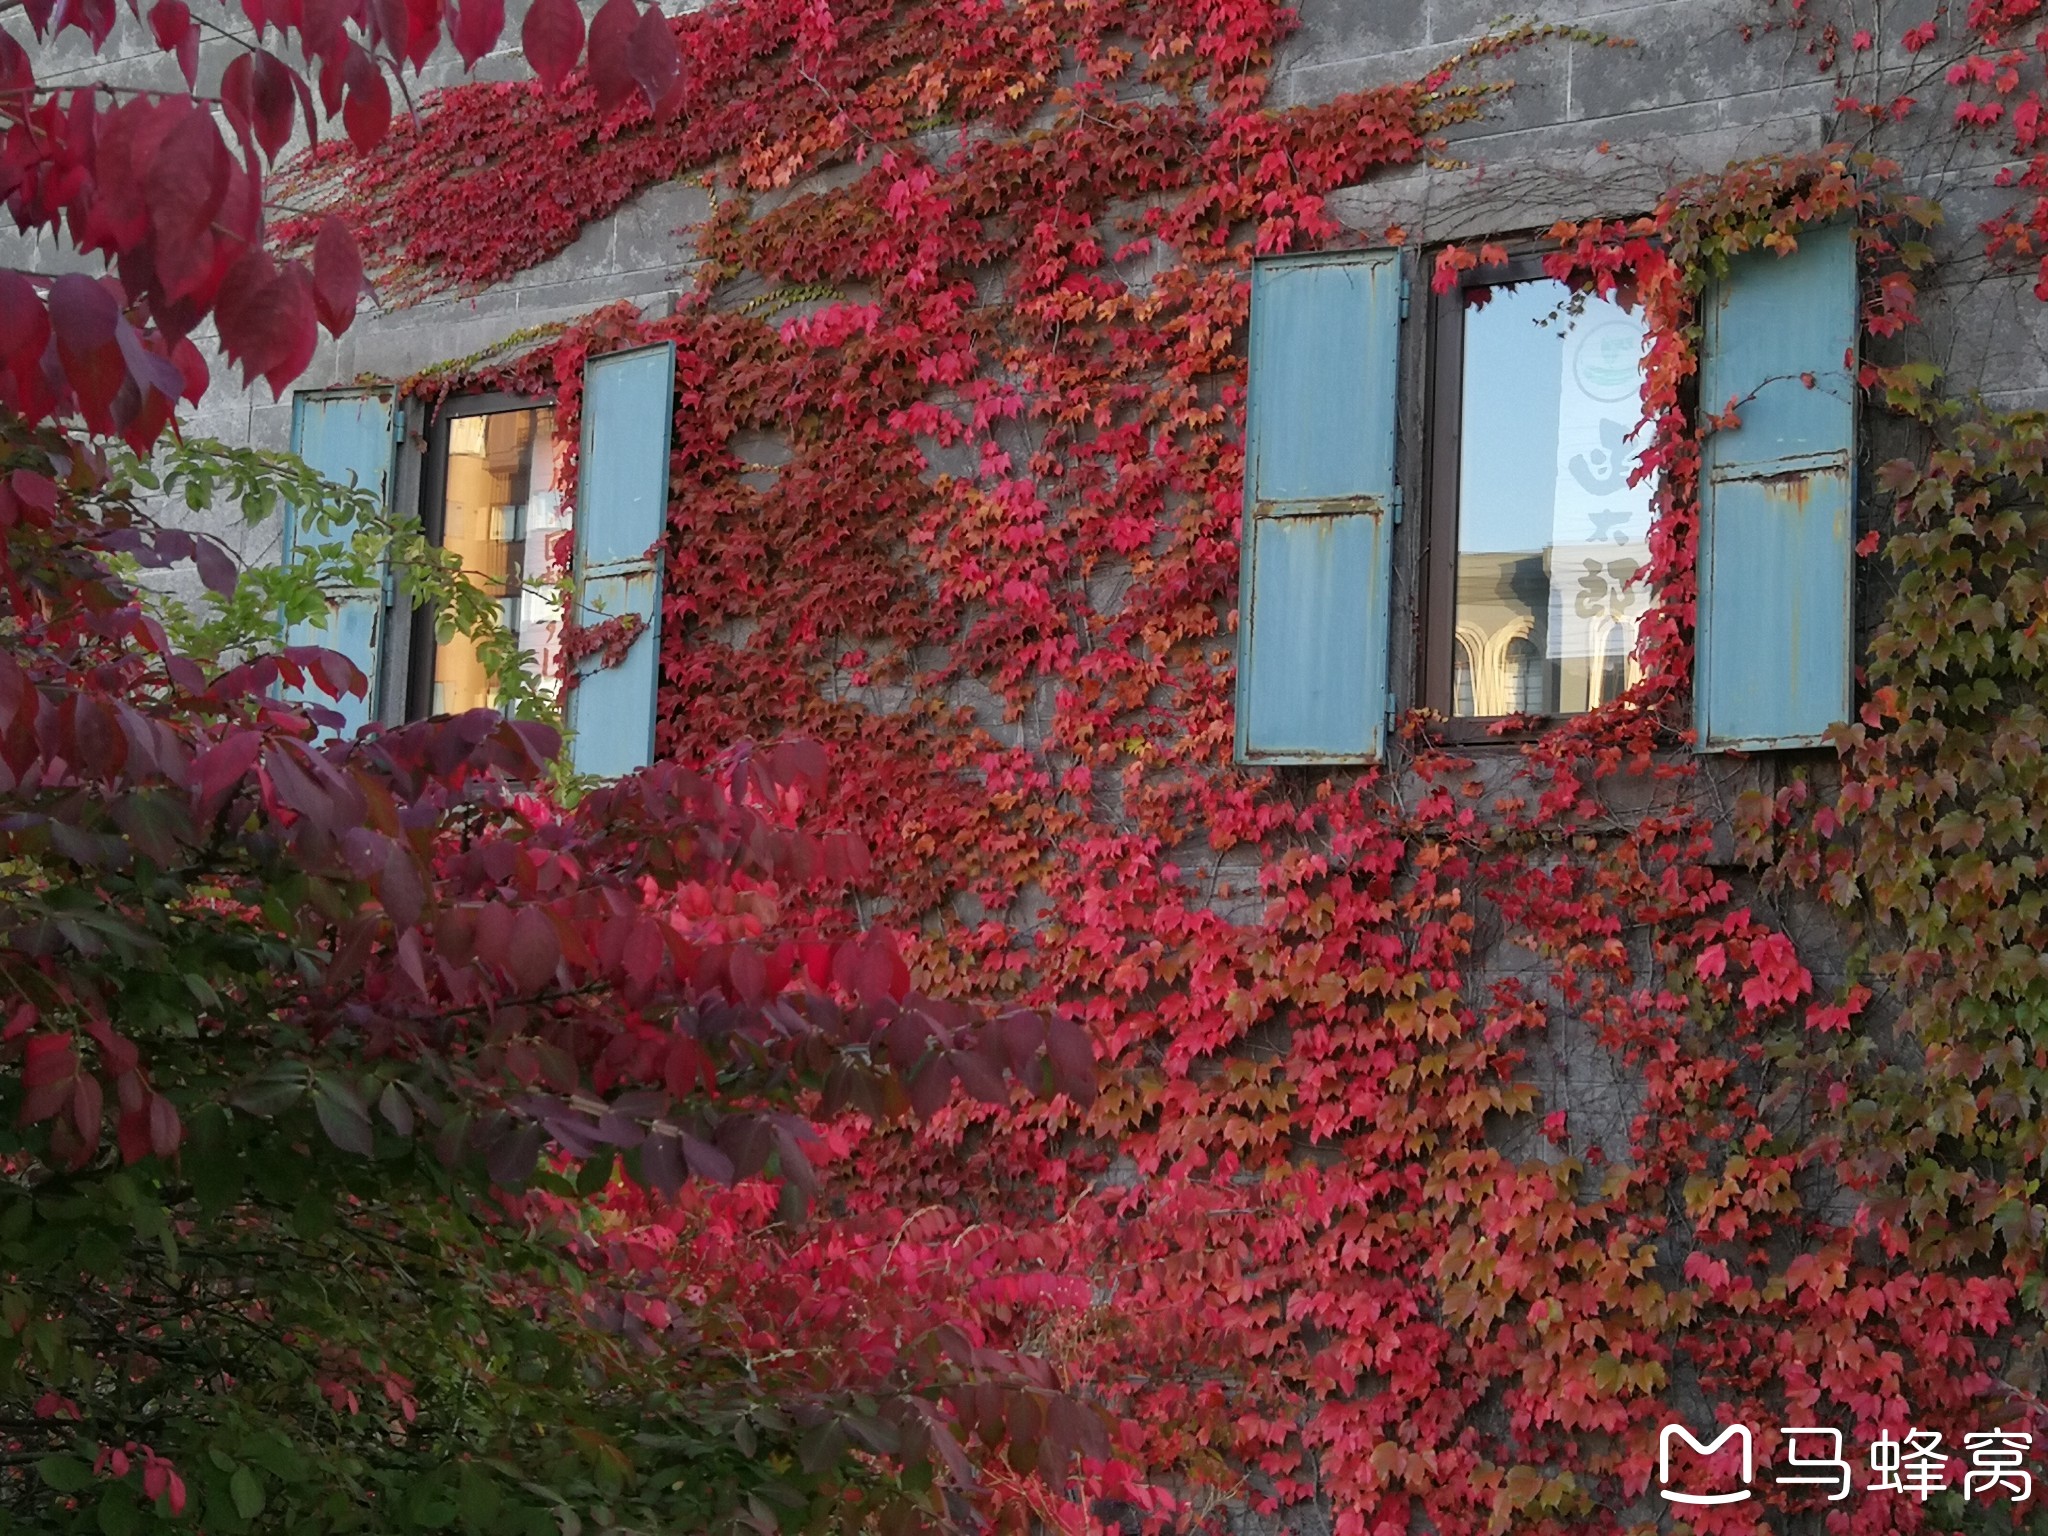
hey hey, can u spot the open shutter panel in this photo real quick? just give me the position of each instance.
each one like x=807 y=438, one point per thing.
x=1777 y=498
x=1319 y=509
x=621 y=511
x=347 y=437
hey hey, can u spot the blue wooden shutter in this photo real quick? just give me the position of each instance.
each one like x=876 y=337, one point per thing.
x=621 y=512
x=1318 y=508
x=347 y=437
x=1777 y=498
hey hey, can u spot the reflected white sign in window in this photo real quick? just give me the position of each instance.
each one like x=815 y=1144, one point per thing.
x=1550 y=532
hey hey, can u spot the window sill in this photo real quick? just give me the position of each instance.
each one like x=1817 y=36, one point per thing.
x=1493 y=731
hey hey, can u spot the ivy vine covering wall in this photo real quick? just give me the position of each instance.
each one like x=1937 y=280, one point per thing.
x=958 y=494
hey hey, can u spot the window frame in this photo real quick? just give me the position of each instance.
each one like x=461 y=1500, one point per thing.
x=433 y=519
x=1443 y=445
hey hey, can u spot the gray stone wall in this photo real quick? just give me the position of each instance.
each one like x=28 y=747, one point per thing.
x=1584 y=130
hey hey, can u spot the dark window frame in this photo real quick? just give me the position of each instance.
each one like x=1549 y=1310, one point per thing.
x=433 y=516
x=1443 y=442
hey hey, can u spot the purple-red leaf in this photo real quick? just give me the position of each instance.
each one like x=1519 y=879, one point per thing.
x=1072 y=1055
x=165 y=1131
x=476 y=28
x=367 y=116
x=321 y=28
x=552 y=36
x=266 y=319
x=511 y=1161
x=187 y=183
x=218 y=769
x=343 y=1117
x=337 y=275
x=423 y=31
x=272 y=102
x=611 y=52
x=237 y=94
x=217 y=571
x=535 y=950
x=84 y=315
x=652 y=56
x=932 y=1087
x=979 y=1076
x=170 y=23
x=706 y=1161
x=399 y=887
x=16 y=72
x=661 y=1164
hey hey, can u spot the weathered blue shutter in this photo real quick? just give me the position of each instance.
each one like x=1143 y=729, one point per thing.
x=1318 y=508
x=347 y=437
x=621 y=510
x=1777 y=498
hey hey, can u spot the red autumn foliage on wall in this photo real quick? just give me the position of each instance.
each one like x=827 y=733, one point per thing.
x=1340 y=1231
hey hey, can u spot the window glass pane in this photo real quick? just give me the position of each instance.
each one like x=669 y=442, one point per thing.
x=502 y=514
x=1549 y=530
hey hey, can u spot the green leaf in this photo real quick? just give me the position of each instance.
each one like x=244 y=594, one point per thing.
x=343 y=1117
x=430 y=1505
x=66 y=1474
x=477 y=1501
x=592 y=1177
x=272 y=1091
x=276 y=1456
x=117 y=1514
x=247 y=1493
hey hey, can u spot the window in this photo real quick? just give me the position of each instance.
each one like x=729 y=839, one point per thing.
x=348 y=436
x=1535 y=535
x=1321 y=501
x=1518 y=583
x=487 y=491
x=492 y=501
x=621 y=523
x=1776 y=644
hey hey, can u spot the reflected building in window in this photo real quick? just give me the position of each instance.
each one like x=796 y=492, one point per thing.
x=1551 y=535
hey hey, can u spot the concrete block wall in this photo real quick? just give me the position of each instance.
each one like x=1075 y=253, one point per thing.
x=1584 y=130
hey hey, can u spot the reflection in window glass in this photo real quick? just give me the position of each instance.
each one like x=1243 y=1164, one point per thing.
x=1524 y=674
x=1549 y=530
x=501 y=514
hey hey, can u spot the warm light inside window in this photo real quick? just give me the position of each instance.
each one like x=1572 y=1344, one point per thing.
x=501 y=514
